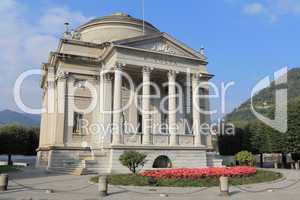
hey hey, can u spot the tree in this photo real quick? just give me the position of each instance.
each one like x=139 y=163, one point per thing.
x=260 y=139
x=32 y=138
x=288 y=142
x=229 y=144
x=132 y=160
x=234 y=143
x=293 y=133
x=264 y=139
x=17 y=140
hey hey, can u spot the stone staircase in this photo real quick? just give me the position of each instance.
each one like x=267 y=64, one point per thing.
x=79 y=163
x=99 y=162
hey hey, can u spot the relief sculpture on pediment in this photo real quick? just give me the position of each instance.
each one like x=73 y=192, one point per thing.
x=163 y=47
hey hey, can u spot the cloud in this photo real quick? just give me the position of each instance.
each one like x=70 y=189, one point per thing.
x=253 y=9
x=53 y=20
x=285 y=7
x=26 y=42
x=272 y=9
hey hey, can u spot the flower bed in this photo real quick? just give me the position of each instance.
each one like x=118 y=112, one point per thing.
x=200 y=172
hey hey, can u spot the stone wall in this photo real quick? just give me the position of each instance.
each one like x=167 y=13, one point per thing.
x=179 y=158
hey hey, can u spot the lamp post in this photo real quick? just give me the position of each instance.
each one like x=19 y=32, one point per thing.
x=297 y=165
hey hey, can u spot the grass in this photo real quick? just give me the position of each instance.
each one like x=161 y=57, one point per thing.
x=136 y=180
x=6 y=168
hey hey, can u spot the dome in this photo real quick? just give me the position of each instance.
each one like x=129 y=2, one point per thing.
x=117 y=26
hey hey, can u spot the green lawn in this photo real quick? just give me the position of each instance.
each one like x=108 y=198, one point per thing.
x=135 y=180
x=5 y=169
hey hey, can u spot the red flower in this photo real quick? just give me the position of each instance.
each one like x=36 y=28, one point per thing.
x=200 y=172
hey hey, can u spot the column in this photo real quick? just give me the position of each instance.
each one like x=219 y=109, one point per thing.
x=172 y=108
x=187 y=90
x=146 y=107
x=209 y=143
x=62 y=100
x=105 y=106
x=117 y=126
x=196 y=111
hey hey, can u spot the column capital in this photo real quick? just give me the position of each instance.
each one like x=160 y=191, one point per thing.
x=196 y=76
x=70 y=77
x=147 y=69
x=62 y=75
x=97 y=77
x=107 y=76
x=172 y=73
x=119 y=66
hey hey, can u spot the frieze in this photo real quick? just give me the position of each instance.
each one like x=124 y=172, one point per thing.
x=161 y=59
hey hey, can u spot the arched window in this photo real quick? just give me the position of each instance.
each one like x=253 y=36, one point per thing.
x=162 y=162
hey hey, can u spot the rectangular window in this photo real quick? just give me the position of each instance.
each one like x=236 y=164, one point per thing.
x=77 y=122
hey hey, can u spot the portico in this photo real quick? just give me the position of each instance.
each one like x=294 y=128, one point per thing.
x=173 y=135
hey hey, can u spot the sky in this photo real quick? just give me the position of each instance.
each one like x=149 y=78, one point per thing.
x=243 y=40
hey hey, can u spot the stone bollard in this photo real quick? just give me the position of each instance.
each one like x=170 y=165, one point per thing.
x=102 y=185
x=297 y=165
x=3 y=182
x=224 y=186
x=292 y=166
x=276 y=165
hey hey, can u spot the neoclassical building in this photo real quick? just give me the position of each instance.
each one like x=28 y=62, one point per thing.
x=128 y=73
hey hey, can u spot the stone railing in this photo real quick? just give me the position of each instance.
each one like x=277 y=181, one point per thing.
x=186 y=140
x=137 y=139
x=160 y=139
x=132 y=139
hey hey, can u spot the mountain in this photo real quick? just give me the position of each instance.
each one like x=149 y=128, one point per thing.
x=264 y=100
x=9 y=116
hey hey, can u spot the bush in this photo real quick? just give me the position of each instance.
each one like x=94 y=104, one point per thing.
x=245 y=158
x=133 y=160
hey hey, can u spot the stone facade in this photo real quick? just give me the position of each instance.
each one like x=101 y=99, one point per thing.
x=87 y=70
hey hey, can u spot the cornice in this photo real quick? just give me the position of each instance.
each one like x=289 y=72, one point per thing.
x=85 y=44
x=71 y=58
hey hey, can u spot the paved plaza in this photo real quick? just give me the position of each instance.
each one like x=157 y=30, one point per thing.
x=33 y=184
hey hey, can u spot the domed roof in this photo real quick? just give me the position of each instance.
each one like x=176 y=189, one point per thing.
x=114 y=27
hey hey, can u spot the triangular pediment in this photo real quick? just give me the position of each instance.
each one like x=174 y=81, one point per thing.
x=163 y=43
